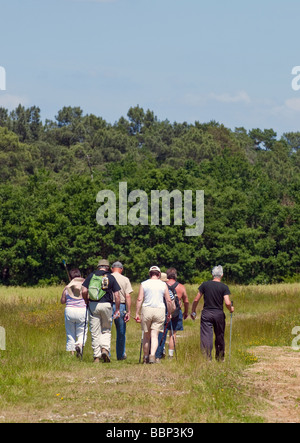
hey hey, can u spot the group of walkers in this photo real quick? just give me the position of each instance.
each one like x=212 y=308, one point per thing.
x=104 y=297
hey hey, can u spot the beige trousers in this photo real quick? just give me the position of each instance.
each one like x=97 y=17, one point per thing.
x=100 y=325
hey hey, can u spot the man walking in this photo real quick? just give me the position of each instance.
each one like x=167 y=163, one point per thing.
x=215 y=294
x=99 y=288
x=125 y=309
x=176 y=323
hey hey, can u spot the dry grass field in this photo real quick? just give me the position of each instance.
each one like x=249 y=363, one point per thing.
x=41 y=383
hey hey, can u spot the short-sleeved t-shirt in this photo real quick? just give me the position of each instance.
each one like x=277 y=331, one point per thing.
x=124 y=284
x=214 y=292
x=154 y=291
x=113 y=286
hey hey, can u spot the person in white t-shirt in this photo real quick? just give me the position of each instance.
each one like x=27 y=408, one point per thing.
x=151 y=303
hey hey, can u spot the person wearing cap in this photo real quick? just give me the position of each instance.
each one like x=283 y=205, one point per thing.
x=150 y=302
x=101 y=311
x=75 y=311
x=215 y=293
x=125 y=309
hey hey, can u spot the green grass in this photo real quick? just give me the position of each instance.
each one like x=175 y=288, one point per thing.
x=40 y=382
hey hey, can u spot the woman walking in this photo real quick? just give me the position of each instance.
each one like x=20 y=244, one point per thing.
x=151 y=303
x=75 y=313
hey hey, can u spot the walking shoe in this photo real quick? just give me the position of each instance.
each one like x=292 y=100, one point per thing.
x=96 y=360
x=78 y=350
x=105 y=356
x=152 y=359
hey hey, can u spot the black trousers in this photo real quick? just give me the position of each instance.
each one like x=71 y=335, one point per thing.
x=213 y=321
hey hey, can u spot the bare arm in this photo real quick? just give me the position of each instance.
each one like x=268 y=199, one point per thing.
x=117 y=302
x=139 y=304
x=170 y=304
x=228 y=303
x=128 y=308
x=85 y=295
x=185 y=303
x=195 y=304
x=63 y=296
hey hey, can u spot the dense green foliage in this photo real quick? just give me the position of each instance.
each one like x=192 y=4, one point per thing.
x=50 y=174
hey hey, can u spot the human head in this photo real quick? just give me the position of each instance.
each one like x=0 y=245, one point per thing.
x=117 y=267
x=75 y=273
x=217 y=272
x=154 y=271
x=103 y=264
x=172 y=274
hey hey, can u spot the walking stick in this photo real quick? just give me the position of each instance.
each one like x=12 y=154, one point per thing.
x=172 y=332
x=86 y=313
x=142 y=340
x=65 y=265
x=230 y=334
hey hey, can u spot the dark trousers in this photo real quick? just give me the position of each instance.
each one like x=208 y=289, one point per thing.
x=213 y=321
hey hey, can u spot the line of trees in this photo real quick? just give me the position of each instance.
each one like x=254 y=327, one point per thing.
x=51 y=172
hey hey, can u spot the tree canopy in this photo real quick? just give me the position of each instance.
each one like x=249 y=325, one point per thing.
x=51 y=173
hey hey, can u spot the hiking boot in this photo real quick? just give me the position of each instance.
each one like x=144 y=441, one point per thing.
x=96 y=360
x=124 y=357
x=78 y=350
x=157 y=360
x=105 y=356
x=145 y=360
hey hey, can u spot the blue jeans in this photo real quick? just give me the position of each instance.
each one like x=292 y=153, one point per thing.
x=121 y=331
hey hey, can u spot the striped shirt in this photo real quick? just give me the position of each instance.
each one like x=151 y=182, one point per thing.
x=73 y=303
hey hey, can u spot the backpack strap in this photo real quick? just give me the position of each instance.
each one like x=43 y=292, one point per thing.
x=174 y=286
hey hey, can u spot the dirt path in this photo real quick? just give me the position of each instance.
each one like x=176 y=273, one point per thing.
x=276 y=379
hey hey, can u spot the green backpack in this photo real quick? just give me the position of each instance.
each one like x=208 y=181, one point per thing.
x=98 y=287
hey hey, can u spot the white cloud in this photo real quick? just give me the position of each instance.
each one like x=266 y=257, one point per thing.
x=203 y=99
x=240 y=97
x=293 y=104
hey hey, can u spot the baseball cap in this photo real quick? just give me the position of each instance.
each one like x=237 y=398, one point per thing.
x=117 y=264
x=154 y=268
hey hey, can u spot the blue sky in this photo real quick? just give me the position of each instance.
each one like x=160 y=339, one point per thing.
x=186 y=60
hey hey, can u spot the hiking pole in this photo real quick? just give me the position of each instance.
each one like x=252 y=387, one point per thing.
x=163 y=336
x=172 y=332
x=230 y=335
x=86 y=314
x=65 y=265
x=142 y=340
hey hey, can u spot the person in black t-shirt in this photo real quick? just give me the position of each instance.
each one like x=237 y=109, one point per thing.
x=215 y=294
x=101 y=312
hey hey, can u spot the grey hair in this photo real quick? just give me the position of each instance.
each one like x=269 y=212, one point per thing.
x=217 y=271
